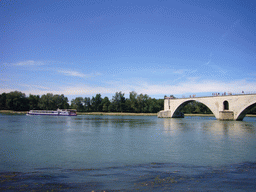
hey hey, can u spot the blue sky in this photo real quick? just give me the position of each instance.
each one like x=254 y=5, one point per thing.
x=81 y=48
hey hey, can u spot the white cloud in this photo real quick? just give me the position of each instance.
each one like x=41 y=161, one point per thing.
x=28 y=63
x=7 y=90
x=88 y=90
x=185 y=73
x=162 y=89
x=202 y=87
x=192 y=83
x=180 y=71
x=72 y=73
x=31 y=87
x=77 y=74
x=48 y=67
x=140 y=86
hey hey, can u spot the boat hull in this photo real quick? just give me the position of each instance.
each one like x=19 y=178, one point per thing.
x=59 y=112
x=50 y=114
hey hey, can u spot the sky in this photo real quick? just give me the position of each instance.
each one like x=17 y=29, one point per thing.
x=156 y=47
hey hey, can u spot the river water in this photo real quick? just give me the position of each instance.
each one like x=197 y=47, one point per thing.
x=126 y=153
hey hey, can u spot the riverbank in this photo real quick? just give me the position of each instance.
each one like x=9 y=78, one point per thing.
x=117 y=113
x=10 y=112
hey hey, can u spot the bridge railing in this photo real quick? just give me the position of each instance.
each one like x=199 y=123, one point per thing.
x=215 y=95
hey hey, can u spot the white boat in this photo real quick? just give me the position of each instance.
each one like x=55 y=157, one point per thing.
x=58 y=112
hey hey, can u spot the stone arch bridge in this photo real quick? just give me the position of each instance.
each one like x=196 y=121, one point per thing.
x=228 y=107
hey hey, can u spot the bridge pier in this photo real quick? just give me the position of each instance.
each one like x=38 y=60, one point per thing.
x=223 y=115
x=226 y=115
x=164 y=114
x=168 y=114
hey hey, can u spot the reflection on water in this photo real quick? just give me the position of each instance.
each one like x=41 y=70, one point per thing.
x=214 y=127
x=96 y=147
x=211 y=142
x=143 y=177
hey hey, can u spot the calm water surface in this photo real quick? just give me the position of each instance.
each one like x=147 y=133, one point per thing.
x=126 y=153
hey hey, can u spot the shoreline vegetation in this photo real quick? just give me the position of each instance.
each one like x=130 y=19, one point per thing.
x=11 y=112
x=135 y=104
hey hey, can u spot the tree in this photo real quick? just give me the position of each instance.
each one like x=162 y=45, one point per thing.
x=111 y=107
x=77 y=104
x=96 y=103
x=3 y=101
x=118 y=101
x=160 y=104
x=53 y=102
x=253 y=110
x=203 y=108
x=33 y=101
x=17 y=101
x=142 y=103
x=87 y=104
x=133 y=101
x=46 y=102
x=195 y=107
x=128 y=105
x=189 y=108
x=60 y=101
x=105 y=104
x=154 y=105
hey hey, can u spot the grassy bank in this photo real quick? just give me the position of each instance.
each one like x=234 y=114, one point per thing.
x=10 y=112
x=205 y=115
x=116 y=113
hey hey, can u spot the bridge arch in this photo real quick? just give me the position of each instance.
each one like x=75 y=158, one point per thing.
x=244 y=111
x=176 y=112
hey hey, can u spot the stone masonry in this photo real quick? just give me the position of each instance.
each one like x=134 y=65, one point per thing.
x=228 y=107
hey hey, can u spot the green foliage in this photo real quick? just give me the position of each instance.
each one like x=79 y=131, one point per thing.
x=78 y=104
x=118 y=102
x=134 y=104
x=61 y=101
x=97 y=103
x=143 y=104
x=87 y=104
x=3 y=101
x=105 y=104
x=18 y=101
x=195 y=107
x=46 y=102
x=33 y=101
x=53 y=102
x=253 y=110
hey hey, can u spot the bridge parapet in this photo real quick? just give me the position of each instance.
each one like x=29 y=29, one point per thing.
x=214 y=95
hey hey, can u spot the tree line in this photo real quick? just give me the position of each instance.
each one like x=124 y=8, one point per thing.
x=18 y=101
x=136 y=103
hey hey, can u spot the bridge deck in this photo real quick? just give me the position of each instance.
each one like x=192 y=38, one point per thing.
x=211 y=96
